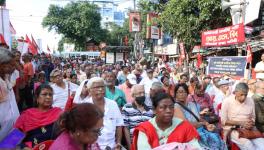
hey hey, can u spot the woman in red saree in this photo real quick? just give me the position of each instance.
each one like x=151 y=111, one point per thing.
x=37 y=123
x=163 y=128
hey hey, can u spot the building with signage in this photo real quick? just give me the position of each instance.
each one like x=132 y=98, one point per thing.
x=109 y=12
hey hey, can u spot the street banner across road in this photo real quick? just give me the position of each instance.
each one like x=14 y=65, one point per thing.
x=232 y=65
x=224 y=36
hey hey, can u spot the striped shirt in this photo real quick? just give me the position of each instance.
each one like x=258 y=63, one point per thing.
x=132 y=116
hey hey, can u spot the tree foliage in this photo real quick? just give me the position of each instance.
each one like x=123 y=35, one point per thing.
x=77 y=22
x=117 y=34
x=186 y=19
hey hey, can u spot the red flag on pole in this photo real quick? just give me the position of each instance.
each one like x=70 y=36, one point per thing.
x=249 y=54
x=48 y=48
x=35 y=45
x=12 y=29
x=199 y=60
x=2 y=40
x=30 y=46
x=182 y=51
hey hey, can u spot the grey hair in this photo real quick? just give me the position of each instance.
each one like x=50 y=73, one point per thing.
x=5 y=55
x=134 y=87
x=156 y=86
x=241 y=87
x=93 y=80
x=259 y=84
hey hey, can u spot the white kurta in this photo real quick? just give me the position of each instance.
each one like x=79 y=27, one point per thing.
x=9 y=110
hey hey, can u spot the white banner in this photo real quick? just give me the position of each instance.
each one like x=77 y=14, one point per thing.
x=110 y=58
x=119 y=57
x=22 y=47
x=5 y=26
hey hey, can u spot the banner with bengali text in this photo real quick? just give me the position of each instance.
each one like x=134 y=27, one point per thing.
x=232 y=65
x=224 y=36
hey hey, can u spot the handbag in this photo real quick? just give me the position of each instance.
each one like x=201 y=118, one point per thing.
x=249 y=134
x=211 y=117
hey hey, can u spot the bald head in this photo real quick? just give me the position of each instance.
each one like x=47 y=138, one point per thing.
x=137 y=90
x=252 y=85
x=260 y=87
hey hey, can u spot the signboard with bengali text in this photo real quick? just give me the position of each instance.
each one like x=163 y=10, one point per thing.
x=232 y=65
x=224 y=36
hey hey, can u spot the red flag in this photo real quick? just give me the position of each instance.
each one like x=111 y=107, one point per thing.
x=31 y=47
x=249 y=54
x=48 y=48
x=12 y=29
x=199 y=60
x=35 y=45
x=2 y=40
x=179 y=63
x=182 y=51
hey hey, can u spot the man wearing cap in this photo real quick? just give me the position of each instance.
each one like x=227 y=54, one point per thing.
x=221 y=94
x=259 y=69
x=148 y=80
x=126 y=87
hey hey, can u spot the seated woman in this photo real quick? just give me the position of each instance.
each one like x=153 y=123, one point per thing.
x=81 y=127
x=37 y=123
x=190 y=111
x=163 y=128
x=204 y=101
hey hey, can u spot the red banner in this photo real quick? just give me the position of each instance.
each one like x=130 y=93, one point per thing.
x=134 y=22
x=153 y=31
x=224 y=36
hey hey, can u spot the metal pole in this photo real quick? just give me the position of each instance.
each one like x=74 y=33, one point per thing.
x=2 y=20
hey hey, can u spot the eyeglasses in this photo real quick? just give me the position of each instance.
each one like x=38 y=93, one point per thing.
x=97 y=132
x=47 y=94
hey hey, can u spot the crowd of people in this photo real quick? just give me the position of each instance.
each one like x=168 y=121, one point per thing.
x=75 y=104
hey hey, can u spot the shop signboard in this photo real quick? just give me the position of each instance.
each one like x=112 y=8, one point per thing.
x=224 y=36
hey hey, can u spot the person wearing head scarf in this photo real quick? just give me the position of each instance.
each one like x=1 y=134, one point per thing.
x=82 y=94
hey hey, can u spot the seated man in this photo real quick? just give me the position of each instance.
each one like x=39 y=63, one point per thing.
x=259 y=105
x=137 y=111
x=239 y=110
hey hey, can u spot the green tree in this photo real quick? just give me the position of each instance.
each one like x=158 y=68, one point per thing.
x=77 y=22
x=117 y=33
x=186 y=19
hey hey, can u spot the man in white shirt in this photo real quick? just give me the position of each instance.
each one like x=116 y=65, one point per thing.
x=113 y=121
x=8 y=106
x=259 y=69
x=148 y=80
x=224 y=91
x=61 y=89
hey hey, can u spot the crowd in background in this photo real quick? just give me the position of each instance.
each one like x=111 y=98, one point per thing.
x=76 y=104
